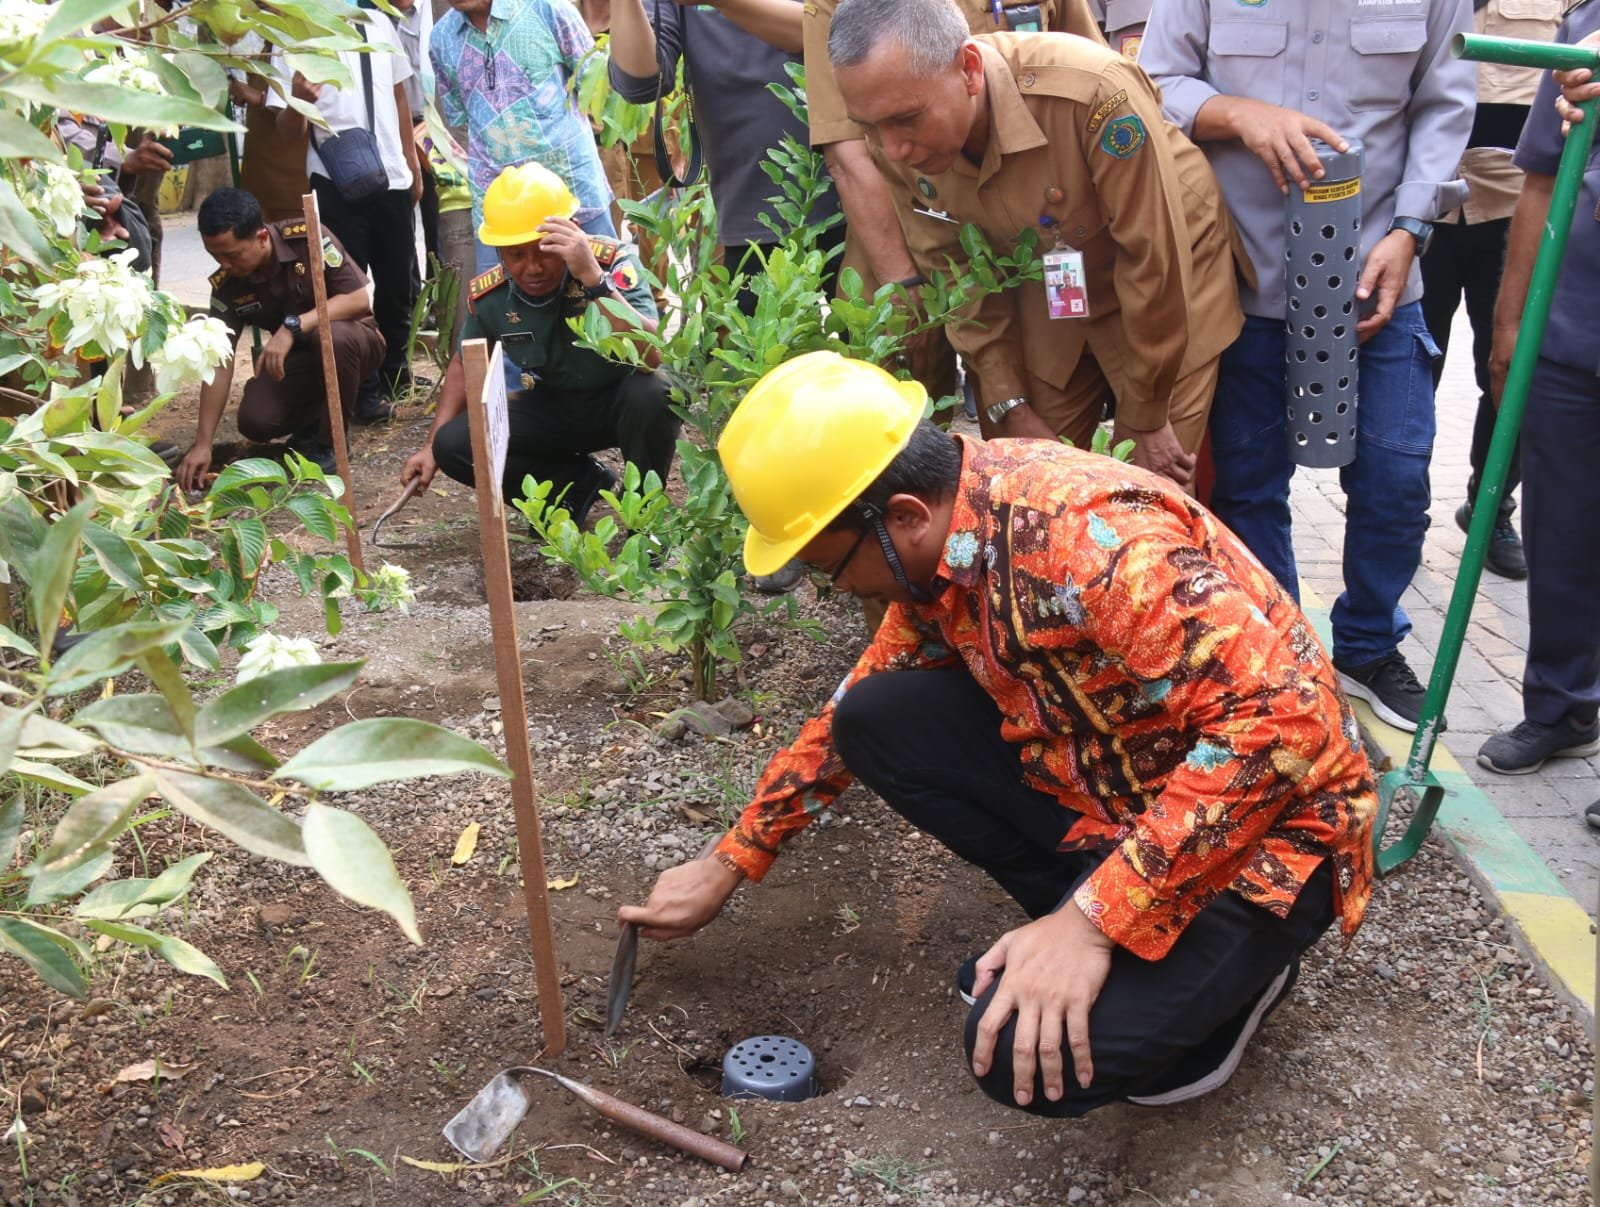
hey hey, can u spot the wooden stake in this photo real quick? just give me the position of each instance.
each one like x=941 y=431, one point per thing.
x=486 y=417
x=330 y=377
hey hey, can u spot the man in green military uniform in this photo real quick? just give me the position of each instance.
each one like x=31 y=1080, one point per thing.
x=265 y=282
x=572 y=400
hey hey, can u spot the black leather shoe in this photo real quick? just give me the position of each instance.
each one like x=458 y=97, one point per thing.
x=1505 y=556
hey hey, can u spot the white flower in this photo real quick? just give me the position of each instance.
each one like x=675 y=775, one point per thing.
x=59 y=198
x=106 y=301
x=123 y=72
x=391 y=588
x=21 y=23
x=269 y=652
x=192 y=353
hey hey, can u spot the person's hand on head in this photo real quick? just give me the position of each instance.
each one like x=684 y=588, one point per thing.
x=565 y=238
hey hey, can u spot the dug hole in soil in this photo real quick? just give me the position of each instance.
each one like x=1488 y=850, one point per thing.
x=1426 y=1063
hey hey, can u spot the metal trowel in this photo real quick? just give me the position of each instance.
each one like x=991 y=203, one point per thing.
x=627 y=955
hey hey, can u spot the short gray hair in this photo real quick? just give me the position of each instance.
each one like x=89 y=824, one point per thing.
x=930 y=31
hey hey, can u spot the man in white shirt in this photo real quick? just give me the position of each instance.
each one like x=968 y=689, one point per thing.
x=377 y=230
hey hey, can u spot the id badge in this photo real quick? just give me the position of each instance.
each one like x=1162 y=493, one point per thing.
x=1064 y=288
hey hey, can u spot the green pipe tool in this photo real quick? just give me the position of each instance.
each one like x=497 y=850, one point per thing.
x=1416 y=779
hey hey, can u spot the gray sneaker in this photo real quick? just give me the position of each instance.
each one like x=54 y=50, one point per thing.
x=1525 y=748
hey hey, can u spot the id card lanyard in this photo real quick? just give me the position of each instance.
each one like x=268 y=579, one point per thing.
x=1065 y=288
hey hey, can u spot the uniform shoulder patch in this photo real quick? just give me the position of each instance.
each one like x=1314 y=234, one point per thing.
x=485 y=283
x=332 y=257
x=605 y=250
x=624 y=275
x=216 y=279
x=293 y=229
x=1123 y=137
x=1106 y=109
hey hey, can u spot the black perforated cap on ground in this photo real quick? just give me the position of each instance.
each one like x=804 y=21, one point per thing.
x=769 y=1066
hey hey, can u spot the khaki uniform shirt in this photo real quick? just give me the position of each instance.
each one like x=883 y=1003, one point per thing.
x=1493 y=180
x=825 y=107
x=534 y=331
x=1076 y=135
x=285 y=287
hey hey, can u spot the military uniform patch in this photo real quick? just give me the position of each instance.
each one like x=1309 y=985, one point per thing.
x=1123 y=137
x=293 y=230
x=1098 y=117
x=332 y=257
x=217 y=278
x=485 y=283
x=625 y=276
x=605 y=250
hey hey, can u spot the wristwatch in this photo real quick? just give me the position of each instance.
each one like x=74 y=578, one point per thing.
x=604 y=289
x=291 y=323
x=1419 y=230
x=999 y=410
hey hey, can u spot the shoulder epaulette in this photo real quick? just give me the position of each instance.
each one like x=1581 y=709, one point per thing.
x=293 y=229
x=485 y=283
x=605 y=250
x=217 y=278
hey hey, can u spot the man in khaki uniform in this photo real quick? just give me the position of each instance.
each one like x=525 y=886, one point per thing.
x=875 y=246
x=1063 y=136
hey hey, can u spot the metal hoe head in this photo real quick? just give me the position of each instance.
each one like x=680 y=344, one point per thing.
x=406 y=495
x=485 y=1123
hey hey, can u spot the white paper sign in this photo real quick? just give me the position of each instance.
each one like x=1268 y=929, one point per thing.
x=496 y=421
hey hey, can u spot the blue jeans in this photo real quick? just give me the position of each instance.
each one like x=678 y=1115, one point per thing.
x=1386 y=485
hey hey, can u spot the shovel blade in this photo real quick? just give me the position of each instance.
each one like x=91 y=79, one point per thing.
x=485 y=1123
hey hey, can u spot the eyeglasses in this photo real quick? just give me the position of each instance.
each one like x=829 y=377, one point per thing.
x=825 y=581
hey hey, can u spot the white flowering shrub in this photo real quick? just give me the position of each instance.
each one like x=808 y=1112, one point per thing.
x=269 y=652
x=193 y=353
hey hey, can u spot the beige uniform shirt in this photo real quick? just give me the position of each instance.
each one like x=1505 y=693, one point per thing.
x=1076 y=135
x=1495 y=182
x=824 y=105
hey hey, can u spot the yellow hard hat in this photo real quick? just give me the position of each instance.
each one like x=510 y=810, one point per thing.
x=807 y=439
x=519 y=200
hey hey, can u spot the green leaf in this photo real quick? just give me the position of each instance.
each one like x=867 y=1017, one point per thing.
x=50 y=777
x=353 y=860
x=11 y=722
x=185 y=957
x=12 y=814
x=71 y=16
x=235 y=813
x=20 y=139
x=10 y=641
x=115 y=556
x=142 y=724
x=110 y=652
x=93 y=822
x=48 y=887
x=53 y=571
x=312 y=511
x=159 y=669
x=383 y=749
x=252 y=469
x=44 y=738
x=52 y=963
x=19 y=229
x=251 y=535
x=114 y=103
x=116 y=898
x=240 y=709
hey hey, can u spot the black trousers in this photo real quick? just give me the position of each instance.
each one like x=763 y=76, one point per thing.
x=966 y=790
x=298 y=405
x=551 y=431
x=377 y=233
x=1466 y=259
x=1561 y=441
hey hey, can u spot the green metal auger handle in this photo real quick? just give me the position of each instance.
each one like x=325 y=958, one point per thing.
x=1416 y=776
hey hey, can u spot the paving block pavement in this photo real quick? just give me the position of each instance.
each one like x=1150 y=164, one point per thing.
x=1522 y=837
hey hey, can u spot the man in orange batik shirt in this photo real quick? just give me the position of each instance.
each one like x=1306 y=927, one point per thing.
x=1138 y=735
